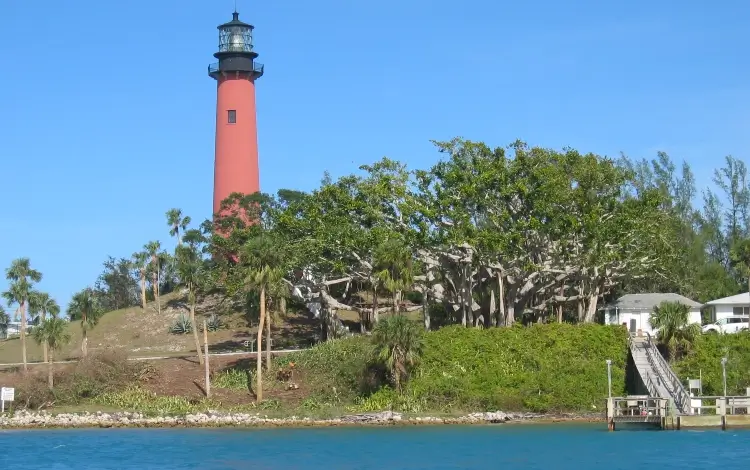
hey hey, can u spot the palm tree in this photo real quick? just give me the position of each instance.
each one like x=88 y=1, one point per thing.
x=675 y=332
x=394 y=268
x=153 y=251
x=53 y=334
x=263 y=259
x=190 y=270
x=398 y=344
x=84 y=306
x=42 y=304
x=177 y=223
x=139 y=262
x=22 y=278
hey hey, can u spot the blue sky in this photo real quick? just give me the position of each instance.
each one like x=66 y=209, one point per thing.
x=107 y=116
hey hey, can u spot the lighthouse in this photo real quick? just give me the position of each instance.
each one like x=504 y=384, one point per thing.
x=236 y=152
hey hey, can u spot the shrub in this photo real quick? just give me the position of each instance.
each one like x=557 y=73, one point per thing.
x=99 y=373
x=182 y=325
x=213 y=323
x=541 y=368
x=704 y=360
x=335 y=370
x=398 y=344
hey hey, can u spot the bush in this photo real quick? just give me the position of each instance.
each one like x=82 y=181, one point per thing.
x=541 y=368
x=338 y=370
x=97 y=374
x=704 y=360
x=182 y=325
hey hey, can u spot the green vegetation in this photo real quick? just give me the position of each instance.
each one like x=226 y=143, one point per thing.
x=704 y=360
x=502 y=255
x=539 y=368
x=676 y=333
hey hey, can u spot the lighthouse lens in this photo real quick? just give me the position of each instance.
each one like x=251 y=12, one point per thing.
x=236 y=39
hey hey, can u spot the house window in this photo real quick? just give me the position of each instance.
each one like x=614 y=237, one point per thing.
x=232 y=116
x=741 y=311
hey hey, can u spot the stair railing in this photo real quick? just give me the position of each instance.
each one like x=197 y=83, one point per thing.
x=659 y=364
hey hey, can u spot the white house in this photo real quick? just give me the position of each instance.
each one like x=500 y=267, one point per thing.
x=633 y=310
x=734 y=305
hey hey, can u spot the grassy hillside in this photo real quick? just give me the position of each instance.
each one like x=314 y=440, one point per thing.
x=705 y=360
x=540 y=368
x=143 y=333
x=543 y=368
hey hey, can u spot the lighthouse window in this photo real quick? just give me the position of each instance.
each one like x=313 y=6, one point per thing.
x=232 y=116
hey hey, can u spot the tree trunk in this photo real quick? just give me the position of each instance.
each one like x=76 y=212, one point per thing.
x=154 y=288
x=259 y=357
x=195 y=328
x=592 y=304
x=375 y=314
x=143 y=289
x=84 y=344
x=23 y=336
x=44 y=351
x=426 y=310
x=282 y=305
x=207 y=368
x=500 y=300
x=268 y=340
x=560 y=305
x=394 y=297
x=50 y=371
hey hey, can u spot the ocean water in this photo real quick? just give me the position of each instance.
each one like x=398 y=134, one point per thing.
x=555 y=447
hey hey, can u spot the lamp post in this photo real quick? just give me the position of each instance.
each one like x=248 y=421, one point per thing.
x=724 y=374
x=609 y=377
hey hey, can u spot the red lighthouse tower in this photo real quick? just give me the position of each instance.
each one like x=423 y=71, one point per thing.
x=236 y=159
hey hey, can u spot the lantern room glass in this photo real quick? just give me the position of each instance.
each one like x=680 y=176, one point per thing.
x=235 y=39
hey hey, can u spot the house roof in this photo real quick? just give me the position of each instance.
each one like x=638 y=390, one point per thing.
x=649 y=301
x=739 y=299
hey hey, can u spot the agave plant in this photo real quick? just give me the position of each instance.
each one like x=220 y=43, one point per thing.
x=182 y=325
x=214 y=323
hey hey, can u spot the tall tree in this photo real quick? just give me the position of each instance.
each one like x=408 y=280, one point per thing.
x=116 y=286
x=262 y=259
x=177 y=224
x=190 y=270
x=740 y=258
x=139 y=262
x=732 y=179
x=22 y=278
x=153 y=249
x=42 y=304
x=53 y=334
x=85 y=307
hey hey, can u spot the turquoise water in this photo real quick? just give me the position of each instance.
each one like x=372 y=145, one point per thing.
x=580 y=447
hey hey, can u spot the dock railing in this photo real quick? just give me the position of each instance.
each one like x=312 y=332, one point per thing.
x=723 y=406
x=637 y=408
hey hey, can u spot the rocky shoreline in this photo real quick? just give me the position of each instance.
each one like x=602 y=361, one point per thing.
x=29 y=420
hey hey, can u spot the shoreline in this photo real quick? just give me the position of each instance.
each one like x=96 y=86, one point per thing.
x=44 y=420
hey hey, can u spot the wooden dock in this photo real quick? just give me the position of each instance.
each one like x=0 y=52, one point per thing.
x=661 y=413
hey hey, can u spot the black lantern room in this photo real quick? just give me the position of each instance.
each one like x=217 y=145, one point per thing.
x=236 y=54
